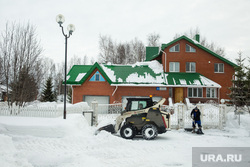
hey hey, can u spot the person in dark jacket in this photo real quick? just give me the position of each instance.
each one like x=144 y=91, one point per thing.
x=195 y=115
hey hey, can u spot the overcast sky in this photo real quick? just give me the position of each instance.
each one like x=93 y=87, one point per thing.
x=225 y=22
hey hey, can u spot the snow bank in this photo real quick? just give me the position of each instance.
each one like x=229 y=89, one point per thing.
x=44 y=142
x=9 y=155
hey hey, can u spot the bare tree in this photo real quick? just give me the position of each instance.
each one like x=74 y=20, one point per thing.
x=20 y=51
x=107 y=48
x=122 y=53
x=153 y=39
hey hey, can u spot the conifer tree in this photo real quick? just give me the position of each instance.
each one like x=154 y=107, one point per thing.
x=247 y=84
x=47 y=94
x=239 y=89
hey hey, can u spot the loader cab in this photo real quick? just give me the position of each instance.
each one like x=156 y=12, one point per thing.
x=135 y=104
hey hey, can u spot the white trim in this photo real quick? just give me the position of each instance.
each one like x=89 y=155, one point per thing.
x=174 y=86
x=72 y=94
x=116 y=87
x=165 y=60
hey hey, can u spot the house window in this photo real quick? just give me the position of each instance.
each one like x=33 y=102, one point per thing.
x=190 y=48
x=195 y=92
x=175 y=48
x=211 y=92
x=174 y=67
x=97 y=77
x=219 y=68
x=190 y=66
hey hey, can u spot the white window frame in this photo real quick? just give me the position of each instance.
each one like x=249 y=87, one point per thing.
x=191 y=49
x=174 y=64
x=218 y=67
x=173 y=48
x=210 y=91
x=197 y=90
x=188 y=64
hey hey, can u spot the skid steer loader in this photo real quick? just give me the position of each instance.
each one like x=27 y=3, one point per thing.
x=141 y=117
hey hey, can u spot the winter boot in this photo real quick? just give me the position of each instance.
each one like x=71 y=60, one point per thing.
x=200 y=131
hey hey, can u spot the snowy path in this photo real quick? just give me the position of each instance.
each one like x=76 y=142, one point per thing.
x=47 y=142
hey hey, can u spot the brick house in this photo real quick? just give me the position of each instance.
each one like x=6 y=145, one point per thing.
x=180 y=69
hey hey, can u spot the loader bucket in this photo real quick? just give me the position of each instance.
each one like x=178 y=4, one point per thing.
x=109 y=128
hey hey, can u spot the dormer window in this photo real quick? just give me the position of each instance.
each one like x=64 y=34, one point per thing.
x=175 y=48
x=190 y=48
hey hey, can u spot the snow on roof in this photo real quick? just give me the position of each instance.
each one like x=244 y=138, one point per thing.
x=109 y=72
x=138 y=73
x=80 y=76
x=208 y=82
x=154 y=65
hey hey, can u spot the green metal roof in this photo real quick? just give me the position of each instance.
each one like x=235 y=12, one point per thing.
x=151 y=53
x=133 y=74
x=196 y=44
x=189 y=80
x=75 y=71
x=144 y=73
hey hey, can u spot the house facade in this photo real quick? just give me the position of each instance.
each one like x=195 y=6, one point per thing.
x=180 y=69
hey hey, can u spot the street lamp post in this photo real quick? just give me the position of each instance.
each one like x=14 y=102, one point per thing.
x=71 y=28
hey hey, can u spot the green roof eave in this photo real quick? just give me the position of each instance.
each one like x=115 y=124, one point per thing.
x=90 y=71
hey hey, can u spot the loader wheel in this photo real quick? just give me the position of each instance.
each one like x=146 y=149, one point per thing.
x=128 y=131
x=149 y=132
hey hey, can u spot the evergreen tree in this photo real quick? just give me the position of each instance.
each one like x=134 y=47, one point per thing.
x=238 y=90
x=247 y=84
x=47 y=94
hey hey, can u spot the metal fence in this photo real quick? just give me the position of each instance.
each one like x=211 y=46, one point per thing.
x=35 y=111
x=115 y=108
x=212 y=116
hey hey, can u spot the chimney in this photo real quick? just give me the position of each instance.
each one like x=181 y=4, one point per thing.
x=197 y=37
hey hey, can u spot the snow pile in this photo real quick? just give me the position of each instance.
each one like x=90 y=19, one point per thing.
x=238 y=126
x=44 y=142
x=9 y=155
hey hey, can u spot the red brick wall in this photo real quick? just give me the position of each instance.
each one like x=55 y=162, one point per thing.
x=202 y=59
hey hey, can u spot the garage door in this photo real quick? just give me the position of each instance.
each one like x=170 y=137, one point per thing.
x=99 y=99
x=124 y=99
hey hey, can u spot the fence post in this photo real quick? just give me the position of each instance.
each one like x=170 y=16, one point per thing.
x=94 y=105
x=180 y=115
x=222 y=119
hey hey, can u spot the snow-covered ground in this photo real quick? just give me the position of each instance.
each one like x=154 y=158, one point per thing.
x=54 y=142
